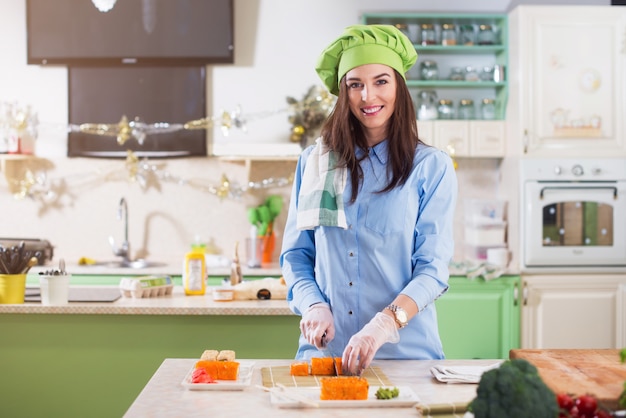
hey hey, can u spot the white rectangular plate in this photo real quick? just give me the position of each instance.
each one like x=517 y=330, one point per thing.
x=243 y=381
x=406 y=398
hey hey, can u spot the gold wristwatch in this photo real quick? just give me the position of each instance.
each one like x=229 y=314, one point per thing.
x=400 y=315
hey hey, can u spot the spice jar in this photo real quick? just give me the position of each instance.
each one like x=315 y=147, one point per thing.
x=486 y=35
x=429 y=37
x=457 y=74
x=471 y=74
x=404 y=28
x=445 y=110
x=488 y=109
x=429 y=70
x=467 y=35
x=486 y=74
x=448 y=34
x=466 y=109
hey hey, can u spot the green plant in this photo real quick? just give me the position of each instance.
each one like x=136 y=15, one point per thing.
x=514 y=390
x=263 y=216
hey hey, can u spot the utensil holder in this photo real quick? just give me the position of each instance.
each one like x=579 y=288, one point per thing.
x=54 y=289
x=12 y=288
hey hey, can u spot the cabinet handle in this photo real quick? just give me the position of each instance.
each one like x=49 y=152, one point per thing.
x=515 y=294
x=525 y=295
x=525 y=141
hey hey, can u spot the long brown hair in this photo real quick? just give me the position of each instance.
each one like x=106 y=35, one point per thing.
x=343 y=133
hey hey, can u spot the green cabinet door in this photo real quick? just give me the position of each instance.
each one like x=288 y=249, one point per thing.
x=480 y=319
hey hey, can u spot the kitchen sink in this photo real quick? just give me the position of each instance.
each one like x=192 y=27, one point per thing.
x=130 y=264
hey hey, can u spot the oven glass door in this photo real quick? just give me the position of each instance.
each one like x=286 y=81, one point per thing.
x=575 y=224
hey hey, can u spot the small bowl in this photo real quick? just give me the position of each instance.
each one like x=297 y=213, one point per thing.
x=223 y=294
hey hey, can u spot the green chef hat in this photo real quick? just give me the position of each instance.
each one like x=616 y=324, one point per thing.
x=365 y=44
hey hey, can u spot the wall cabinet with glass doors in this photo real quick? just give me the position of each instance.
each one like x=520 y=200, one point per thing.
x=459 y=81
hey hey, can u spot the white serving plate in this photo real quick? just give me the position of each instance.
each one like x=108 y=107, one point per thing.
x=406 y=398
x=243 y=380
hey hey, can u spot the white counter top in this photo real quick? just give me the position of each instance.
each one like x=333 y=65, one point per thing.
x=165 y=396
x=175 y=304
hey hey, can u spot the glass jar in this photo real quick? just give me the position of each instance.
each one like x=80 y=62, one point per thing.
x=486 y=35
x=457 y=74
x=467 y=35
x=429 y=37
x=471 y=74
x=466 y=109
x=429 y=70
x=445 y=109
x=448 y=34
x=486 y=74
x=404 y=28
x=427 y=105
x=488 y=109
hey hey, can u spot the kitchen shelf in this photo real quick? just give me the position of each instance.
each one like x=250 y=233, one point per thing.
x=448 y=56
x=15 y=166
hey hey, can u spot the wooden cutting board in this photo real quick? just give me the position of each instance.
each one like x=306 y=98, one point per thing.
x=579 y=372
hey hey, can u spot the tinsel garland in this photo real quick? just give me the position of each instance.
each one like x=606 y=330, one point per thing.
x=58 y=192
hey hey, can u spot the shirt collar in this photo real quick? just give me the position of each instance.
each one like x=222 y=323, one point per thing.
x=380 y=151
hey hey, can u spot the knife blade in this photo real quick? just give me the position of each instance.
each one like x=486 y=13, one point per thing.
x=328 y=352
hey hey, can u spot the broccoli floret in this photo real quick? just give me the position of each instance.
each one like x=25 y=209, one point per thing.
x=514 y=390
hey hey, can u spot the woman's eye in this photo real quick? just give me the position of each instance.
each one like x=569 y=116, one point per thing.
x=355 y=85
x=381 y=81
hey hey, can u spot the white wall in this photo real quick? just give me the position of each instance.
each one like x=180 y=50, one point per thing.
x=277 y=43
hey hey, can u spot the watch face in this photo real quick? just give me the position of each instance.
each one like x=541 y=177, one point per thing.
x=402 y=316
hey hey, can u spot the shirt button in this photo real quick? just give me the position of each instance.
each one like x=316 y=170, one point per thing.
x=351 y=254
x=350 y=283
x=349 y=312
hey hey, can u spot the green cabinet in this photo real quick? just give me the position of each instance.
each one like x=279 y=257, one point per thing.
x=480 y=319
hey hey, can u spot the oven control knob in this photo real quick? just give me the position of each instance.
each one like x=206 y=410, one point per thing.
x=577 y=170
x=557 y=170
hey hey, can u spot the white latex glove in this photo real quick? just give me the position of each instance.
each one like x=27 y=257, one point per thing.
x=318 y=322
x=363 y=345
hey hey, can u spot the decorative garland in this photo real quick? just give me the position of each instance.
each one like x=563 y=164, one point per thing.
x=306 y=116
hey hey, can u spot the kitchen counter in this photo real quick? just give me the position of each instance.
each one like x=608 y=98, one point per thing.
x=92 y=359
x=176 y=304
x=165 y=396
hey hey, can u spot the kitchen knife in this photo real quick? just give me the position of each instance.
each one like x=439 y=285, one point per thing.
x=328 y=352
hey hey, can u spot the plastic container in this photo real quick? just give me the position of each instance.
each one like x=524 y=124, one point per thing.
x=486 y=235
x=146 y=286
x=484 y=211
x=194 y=271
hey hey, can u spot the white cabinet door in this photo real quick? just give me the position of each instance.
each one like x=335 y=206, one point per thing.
x=470 y=138
x=487 y=139
x=568 y=80
x=574 y=311
x=452 y=137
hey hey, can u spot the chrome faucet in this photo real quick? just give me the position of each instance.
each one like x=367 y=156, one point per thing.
x=124 y=249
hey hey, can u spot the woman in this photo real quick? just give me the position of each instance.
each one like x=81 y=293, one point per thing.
x=368 y=237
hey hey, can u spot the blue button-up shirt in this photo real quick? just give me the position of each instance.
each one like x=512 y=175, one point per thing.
x=396 y=242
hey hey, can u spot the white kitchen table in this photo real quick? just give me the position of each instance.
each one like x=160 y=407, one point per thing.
x=164 y=395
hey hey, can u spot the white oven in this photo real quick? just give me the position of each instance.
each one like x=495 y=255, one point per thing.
x=573 y=215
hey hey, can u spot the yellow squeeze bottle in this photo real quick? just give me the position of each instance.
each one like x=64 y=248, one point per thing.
x=194 y=271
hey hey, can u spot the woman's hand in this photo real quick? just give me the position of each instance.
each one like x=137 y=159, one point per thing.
x=318 y=322
x=363 y=345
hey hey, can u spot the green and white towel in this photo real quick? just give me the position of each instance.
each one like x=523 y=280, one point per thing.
x=320 y=202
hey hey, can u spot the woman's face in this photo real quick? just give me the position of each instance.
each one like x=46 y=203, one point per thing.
x=372 y=98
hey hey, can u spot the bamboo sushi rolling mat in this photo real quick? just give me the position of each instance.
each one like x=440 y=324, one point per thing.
x=281 y=374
